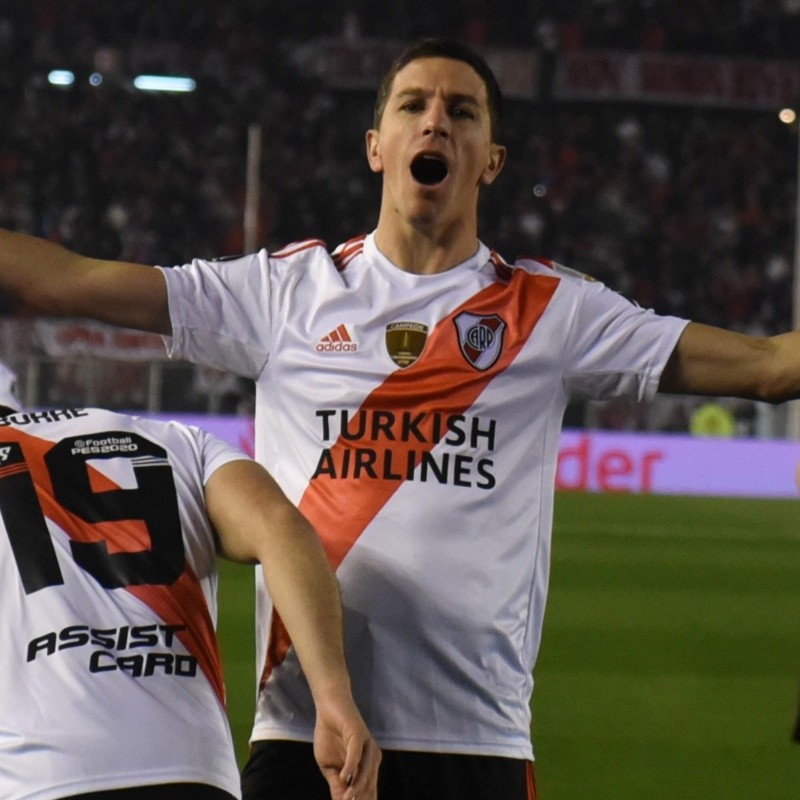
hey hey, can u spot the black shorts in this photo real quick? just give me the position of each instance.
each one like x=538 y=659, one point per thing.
x=287 y=770
x=162 y=791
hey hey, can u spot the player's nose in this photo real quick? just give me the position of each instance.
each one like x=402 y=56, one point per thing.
x=435 y=120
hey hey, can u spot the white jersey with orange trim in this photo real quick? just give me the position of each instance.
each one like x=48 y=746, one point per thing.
x=415 y=420
x=110 y=675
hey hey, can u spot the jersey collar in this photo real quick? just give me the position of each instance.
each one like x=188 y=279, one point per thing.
x=398 y=275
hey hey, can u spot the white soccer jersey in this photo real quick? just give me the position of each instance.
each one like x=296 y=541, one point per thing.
x=110 y=674
x=415 y=420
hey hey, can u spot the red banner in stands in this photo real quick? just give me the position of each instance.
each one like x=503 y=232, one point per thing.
x=82 y=337
x=654 y=78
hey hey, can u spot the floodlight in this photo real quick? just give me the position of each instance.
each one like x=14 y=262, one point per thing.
x=164 y=83
x=61 y=77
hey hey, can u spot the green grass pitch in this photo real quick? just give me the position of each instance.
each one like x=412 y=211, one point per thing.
x=670 y=662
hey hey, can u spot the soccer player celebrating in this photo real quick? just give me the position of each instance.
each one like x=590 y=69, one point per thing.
x=423 y=449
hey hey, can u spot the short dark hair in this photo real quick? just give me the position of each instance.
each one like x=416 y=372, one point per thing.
x=443 y=48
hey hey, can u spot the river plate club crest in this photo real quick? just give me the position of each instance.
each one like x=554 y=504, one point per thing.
x=405 y=341
x=480 y=337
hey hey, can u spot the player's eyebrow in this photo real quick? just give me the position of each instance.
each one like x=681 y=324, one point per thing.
x=453 y=97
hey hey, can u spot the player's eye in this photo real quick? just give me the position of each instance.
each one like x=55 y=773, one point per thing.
x=463 y=112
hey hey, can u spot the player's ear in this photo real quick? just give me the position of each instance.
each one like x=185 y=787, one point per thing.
x=497 y=157
x=373 y=150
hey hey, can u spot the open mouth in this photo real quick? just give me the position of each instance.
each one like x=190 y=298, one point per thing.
x=429 y=169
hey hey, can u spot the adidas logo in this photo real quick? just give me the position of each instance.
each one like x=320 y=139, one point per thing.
x=337 y=341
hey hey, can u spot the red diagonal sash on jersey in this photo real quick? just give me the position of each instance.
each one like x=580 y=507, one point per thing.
x=442 y=381
x=180 y=603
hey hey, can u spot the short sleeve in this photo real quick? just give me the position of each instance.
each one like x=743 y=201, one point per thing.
x=220 y=313
x=615 y=348
x=215 y=454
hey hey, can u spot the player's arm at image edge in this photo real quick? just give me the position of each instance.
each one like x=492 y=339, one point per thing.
x=717 y=362
x=58 y=282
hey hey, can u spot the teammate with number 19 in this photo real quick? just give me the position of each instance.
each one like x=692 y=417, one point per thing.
x=110 y=675
x=410 y=393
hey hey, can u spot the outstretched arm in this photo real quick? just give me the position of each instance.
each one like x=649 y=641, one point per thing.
x=57 y=282
x=256 y=522
x=716 y=362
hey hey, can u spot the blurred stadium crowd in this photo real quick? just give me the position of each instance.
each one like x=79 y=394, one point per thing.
x=686 y=209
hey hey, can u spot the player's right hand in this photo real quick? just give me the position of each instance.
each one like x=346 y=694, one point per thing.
x=346 y=752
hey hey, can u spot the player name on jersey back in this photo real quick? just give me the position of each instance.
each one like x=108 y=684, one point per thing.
x=33 y=417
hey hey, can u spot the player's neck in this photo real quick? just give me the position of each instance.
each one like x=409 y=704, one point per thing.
x=425 y=251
